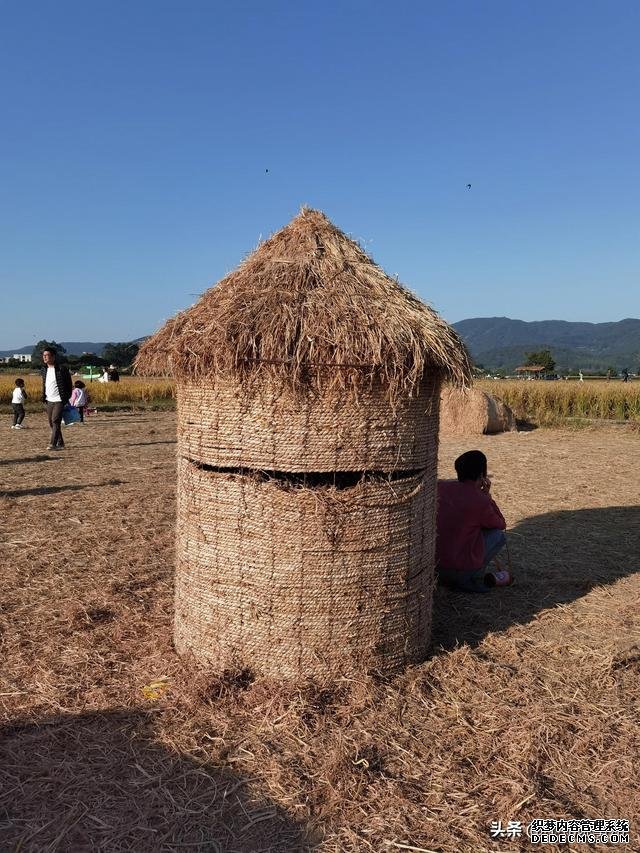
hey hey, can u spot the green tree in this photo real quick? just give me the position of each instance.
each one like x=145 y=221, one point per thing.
x=80 y=362
x=121 y=354
x=36 y=355
x=91 y=359
x=542 y=357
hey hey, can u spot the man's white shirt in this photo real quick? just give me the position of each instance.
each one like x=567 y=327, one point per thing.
x=51 y=387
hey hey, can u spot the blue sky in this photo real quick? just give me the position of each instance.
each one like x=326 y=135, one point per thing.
x=135 y=139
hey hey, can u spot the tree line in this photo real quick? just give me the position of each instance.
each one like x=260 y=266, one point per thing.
x=121 y=355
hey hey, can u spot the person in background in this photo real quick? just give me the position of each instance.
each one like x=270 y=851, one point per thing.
x=105 y=376
x=114 y=376
x=580 y=376
x=18 y=399
x=470 y=528
x=79 y=398
x=56 y=390
x=625 y=375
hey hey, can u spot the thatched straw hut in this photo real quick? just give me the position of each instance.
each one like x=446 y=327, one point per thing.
x=469 y=411
x=308 y=393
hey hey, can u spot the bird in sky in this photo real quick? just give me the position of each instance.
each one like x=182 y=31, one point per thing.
x=468 y=186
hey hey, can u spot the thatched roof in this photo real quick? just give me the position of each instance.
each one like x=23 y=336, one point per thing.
x=310 y=307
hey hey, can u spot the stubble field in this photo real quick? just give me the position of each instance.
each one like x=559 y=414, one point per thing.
x=527 y=707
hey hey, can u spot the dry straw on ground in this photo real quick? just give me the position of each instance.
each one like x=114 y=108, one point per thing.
x=527 y=706
x=470 y=411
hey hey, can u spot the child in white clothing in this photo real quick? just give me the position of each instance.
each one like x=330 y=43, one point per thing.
x=79 y=398
x=18 y=399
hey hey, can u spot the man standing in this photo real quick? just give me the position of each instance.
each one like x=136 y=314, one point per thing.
x=56 y=390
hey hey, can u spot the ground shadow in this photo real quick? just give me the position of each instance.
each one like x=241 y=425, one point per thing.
x=100 y=781
x=557 y=557
x=144 y=443
x=524 y=425
x=105 y=418
x=24 y=460
x=51 y=490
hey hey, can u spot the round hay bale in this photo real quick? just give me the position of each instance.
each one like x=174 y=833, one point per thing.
x=287 y=579
x=501 y=417
x=469 y=411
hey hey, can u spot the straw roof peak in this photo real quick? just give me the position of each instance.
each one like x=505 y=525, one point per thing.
x=308 y=306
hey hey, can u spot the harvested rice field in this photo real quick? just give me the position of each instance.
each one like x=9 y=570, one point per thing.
x=528 y=706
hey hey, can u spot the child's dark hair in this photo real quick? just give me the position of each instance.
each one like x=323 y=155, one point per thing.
x=471 y=465
x=20 y=382
x=79 y=384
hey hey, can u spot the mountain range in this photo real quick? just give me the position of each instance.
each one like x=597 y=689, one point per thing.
x=72 y=347
x=499 y=343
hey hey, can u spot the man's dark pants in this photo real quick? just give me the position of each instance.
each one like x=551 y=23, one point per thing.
x=54 y=413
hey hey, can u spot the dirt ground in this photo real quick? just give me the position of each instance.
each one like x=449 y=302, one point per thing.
x=528 y=706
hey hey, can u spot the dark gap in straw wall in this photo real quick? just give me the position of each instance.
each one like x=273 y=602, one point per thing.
x=315 y=480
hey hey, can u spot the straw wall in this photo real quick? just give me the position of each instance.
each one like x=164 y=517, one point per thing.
x=306 y=529
x=268 y=429
x=292 y=580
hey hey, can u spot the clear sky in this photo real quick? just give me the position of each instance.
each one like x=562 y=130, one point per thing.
x=135 y=139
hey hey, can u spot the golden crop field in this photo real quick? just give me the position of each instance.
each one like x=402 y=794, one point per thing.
x=130 y=390
x=543 y=403
x=549 y=403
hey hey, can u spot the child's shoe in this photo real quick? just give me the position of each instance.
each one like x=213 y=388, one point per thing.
x=502 y=577
x=499 y=576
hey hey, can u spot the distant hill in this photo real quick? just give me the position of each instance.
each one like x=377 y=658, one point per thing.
x=72 y=347
x=500 y=343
